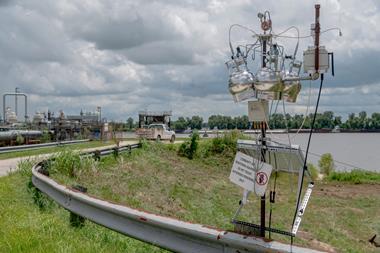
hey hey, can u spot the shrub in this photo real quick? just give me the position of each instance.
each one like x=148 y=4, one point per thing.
x=313 y=171
x=189 y=147
x=218 y=145
x=326 y=164
x=204 y=149
x=226 y=143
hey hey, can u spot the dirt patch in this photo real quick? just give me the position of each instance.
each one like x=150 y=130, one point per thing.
x=348 y=190
x=314 y=243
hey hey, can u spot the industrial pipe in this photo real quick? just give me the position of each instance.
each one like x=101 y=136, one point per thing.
x=16 y=94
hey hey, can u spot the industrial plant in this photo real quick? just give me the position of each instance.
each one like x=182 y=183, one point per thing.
x=46 y=126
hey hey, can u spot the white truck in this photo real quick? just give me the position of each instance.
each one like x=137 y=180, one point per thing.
x=156 y=132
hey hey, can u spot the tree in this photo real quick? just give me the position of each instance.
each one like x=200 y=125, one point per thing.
x=241 y=122
x=195 y=122
x=362 y=120
x=337 y=121
x=375 y=120
x=180 y=124
x=212 y=122
x=325 y=120
x=130 y=123
x=328 y=119
x=352 y=121
x=297 y=121
x=277 y=121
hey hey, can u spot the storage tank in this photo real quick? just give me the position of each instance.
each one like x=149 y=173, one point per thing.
x=38 y=117
x=10 y=116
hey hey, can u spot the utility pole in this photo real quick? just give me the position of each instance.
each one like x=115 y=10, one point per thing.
x=16 y=91
x=100 y=114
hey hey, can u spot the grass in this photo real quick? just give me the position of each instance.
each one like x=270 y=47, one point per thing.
x=340 y=215
x=156 y=179
x=355 y=176
x=25 y=227
x=47 y=150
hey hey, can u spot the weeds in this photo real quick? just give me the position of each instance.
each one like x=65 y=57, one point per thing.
x=71 y=164
x=355 y=176
x=313 y=171
x=25 y=169
x=225 y=145
x=189 y=147
x=326 y=164
x=25 y=166
x=158 y=180
x=144 y=144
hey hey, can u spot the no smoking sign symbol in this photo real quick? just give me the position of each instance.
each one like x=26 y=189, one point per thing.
x=261 y=178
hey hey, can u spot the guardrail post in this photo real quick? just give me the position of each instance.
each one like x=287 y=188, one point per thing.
x=97 y=155
x=44 y=168
x=75 y=219
x=116 y=152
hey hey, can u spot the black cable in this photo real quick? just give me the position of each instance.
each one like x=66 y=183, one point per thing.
x=272 y=195
x=307 y=149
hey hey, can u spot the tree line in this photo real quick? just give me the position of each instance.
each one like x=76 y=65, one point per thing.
x=325 y=120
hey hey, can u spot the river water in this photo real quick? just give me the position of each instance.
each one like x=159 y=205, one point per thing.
x=349 y=150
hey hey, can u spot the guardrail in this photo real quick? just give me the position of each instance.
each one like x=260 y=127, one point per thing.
x=164 y=232
x=35 y=146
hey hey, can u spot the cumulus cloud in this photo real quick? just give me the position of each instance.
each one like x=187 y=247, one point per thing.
x=169 y=55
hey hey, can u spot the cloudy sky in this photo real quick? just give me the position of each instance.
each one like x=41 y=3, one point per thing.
x=169 y=55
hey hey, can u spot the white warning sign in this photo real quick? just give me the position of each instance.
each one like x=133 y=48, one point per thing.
x=262 y=178
x=243 y=171
x=250 y=173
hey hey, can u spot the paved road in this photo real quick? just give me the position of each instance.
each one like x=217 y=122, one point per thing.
x=9 y=165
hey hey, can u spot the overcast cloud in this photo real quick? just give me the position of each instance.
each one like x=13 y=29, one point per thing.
x=169 y=55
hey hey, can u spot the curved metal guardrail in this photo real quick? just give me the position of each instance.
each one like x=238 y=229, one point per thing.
x=164 y=232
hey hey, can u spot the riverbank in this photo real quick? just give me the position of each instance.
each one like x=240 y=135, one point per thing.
x=340 y=216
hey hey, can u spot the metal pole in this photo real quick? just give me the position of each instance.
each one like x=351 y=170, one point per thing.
x=263 y=142
x=316 y=42
x=26 y=107
x=16 y=91
x=4 y=108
